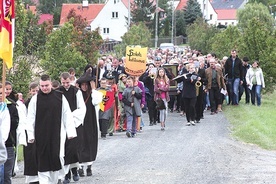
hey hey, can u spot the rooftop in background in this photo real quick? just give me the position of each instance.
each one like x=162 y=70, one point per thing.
x=226 y=4
x=226 y=14
x=89 y=13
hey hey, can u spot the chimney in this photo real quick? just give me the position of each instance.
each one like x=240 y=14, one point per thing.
x=85 y=4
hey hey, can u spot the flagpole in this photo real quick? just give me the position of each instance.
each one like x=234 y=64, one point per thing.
x=3 y=81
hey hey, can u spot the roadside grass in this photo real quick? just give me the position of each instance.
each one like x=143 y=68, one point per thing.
x=253 y=124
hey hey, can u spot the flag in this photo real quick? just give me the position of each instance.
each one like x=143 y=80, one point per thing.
x=7 y=31
x=108 y=99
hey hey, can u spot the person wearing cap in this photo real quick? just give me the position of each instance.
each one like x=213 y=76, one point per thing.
x=49 y=122
x=244 y=86
x=92 y=98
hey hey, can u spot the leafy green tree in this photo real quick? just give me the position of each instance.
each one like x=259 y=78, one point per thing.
x=180 y=23
x=255 y=10
x=87 y=42
x=192 y=11
x=199 y=34
x=142 y=11
x=28 y=41
x=138 y=34
x=265 y=2
x=225 y=40
x=258 y=43
x=61 y=54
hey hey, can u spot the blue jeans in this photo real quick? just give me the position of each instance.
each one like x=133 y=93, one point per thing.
x=8 y=166
x=131 y=123
x=256 y=94
x=2 y=174
x=234 y=90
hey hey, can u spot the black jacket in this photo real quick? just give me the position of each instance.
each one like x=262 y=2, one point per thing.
x=238 y=70
x=11 y=141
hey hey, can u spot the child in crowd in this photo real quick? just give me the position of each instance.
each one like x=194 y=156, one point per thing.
x=121 y=87
x=132 y=99
x=105 y=106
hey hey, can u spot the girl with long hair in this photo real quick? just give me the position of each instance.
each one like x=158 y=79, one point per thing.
x=161 y=91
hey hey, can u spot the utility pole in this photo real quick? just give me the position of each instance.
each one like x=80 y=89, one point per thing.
x=172 y=40
x=156 y=24
x=128 y=20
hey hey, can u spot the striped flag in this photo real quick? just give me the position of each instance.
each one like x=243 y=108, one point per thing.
x=7 y=31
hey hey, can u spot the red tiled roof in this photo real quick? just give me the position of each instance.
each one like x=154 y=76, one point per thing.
x=181 y=5
x=89 y=13
x=125 y=2
x=227 y=14
x=42 y=17
x=45 y=17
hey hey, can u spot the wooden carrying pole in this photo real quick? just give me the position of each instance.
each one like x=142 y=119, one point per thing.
x=3 y=81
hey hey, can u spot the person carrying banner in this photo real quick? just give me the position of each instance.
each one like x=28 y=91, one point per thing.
x=105 y=107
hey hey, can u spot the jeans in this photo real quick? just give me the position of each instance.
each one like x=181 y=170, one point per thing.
x=256 y=93
x=234 y=90
x=131 y=123
x=2 y=174
x=8 y=166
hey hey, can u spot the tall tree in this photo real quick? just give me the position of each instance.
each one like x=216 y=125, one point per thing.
x=86 y=42
x=253 y=10
x=142 y=11
x=192 y=11
x=138 y=34
x=225 y=40
x=199 y=34
x=60 y=51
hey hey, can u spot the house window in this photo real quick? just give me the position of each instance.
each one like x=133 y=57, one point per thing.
x=211 y=16
x=116 y=1
x=114 y=15
x=106 y=30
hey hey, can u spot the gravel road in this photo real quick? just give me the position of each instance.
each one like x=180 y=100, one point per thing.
x=201 y=154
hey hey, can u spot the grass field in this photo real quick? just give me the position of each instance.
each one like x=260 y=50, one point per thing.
x=253 y=124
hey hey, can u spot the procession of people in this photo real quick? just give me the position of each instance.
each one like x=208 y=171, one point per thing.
x=59 y=126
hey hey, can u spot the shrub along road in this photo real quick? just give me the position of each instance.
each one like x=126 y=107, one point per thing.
x=205 y=153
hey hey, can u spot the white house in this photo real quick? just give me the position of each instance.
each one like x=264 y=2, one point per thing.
x=112 y=20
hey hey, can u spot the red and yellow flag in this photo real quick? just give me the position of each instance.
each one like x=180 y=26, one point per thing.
x=6 y=31
x=108 y=100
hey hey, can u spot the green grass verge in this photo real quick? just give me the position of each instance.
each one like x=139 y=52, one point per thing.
x=253 y=124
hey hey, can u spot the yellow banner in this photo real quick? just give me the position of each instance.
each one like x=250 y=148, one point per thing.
x=136 y=60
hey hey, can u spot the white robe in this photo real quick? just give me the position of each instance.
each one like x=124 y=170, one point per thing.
x=67 y=127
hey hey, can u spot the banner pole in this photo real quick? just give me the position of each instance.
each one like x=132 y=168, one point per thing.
x=3 y=80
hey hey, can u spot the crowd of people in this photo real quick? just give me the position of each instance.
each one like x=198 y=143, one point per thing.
x=61 y=121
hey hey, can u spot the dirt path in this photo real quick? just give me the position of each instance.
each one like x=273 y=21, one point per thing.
x=204 y=153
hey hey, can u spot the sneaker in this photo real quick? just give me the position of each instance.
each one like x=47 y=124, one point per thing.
x=197 y=121
x=128 y=134
x=162 y=129
x=188 y=124
x=193 y=123
x=133 y=134
x=110 y=134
